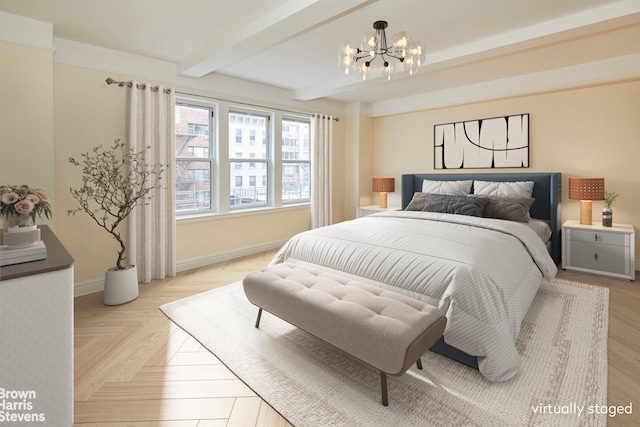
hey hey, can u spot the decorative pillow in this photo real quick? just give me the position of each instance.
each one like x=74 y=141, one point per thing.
x=511 y=189
x=509 y=208
x=447 y=187
x=417 y=202
x=460 y=205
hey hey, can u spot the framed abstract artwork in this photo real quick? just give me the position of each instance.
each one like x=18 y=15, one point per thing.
x=497 y=142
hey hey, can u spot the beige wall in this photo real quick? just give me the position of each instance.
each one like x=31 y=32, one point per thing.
x=26 y=118
x=592 y=131
x=358 y=168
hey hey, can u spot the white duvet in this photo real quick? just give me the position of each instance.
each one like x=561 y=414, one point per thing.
x=482 y=273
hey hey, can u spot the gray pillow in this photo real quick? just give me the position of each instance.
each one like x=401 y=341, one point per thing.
x=417 y=202
x=509 y=208
x=460 y=205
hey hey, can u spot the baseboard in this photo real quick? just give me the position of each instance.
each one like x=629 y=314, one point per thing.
x=190 y=264
x=87 y=287
x=91 y=286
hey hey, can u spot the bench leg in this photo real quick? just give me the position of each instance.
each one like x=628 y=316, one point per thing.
x=383 y=386
x=258 y=319
x=419 y=363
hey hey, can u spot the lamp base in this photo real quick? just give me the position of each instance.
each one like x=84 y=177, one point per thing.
x=383 y=200
x=585 y=212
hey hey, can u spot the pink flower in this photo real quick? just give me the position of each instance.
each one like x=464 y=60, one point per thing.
x=22 y=191
x=9 y=198
x=24 y=206
x=32 y=198
x=44 y=197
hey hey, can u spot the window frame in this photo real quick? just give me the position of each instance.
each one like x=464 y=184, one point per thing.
x=223 y=152
x=212 y=115
x=286 y=161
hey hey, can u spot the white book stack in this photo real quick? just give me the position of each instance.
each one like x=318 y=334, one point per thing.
x=21 y=244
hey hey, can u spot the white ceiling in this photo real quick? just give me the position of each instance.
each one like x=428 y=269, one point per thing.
x=293 y=44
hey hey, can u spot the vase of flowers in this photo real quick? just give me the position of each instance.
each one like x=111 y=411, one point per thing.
x=607 y=213
x=20 y=204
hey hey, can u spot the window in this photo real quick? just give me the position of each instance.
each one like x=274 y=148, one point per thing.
x=296 y=160
x=243 y=164
x=254 y=159
x=194 y=165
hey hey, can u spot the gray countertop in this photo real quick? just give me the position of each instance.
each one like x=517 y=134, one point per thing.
x=57 y=259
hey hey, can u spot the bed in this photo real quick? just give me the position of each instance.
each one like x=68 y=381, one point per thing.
x=483 y=273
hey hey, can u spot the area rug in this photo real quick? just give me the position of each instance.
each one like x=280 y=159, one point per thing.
x=562 y=381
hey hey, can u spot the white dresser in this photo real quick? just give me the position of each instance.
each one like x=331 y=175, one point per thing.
x=36 y=339
x=595 y=249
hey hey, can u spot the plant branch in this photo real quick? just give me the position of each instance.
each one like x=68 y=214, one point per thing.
x=114 y=182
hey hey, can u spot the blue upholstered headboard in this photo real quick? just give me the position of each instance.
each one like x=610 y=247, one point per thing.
x=546 y=191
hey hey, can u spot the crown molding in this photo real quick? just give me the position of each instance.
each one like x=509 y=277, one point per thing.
x=25 y=31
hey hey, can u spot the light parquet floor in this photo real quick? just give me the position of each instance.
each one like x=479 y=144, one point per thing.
x=134 y=367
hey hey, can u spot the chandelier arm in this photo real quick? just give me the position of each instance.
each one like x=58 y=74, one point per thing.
x=399 y=58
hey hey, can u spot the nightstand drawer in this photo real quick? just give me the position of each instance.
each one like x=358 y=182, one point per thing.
x=592 y=236
x=598 y=256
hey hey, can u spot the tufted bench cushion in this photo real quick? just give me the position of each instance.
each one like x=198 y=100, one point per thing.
x=387 y=330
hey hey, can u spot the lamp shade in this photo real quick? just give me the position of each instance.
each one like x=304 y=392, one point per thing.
x=582 y=188
x=384 y=185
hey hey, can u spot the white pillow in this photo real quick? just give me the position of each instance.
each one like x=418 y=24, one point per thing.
x=511 y=189
x=458 y=188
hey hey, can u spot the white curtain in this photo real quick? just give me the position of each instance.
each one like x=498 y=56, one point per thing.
x=321 y=206
x=152 y=225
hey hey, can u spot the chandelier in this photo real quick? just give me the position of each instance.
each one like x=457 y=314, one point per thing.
x=373 y=46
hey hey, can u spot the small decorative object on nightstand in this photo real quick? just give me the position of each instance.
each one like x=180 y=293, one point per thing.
x=371 y=209
x=607 y=213
x=595 y=249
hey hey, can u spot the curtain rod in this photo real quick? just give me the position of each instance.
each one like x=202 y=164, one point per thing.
x=322 y=116
x=129 y=84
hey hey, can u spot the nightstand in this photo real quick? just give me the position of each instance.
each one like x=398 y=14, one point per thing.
x=606 y=251
x=371 y=209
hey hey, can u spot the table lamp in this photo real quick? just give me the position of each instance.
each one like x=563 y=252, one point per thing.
x=586 y=190
x=383 y=186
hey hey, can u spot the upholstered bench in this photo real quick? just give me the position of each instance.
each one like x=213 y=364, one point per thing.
x=386 y=330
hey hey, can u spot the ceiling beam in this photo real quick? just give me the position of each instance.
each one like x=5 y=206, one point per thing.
x=291 y=19
x=604 y=18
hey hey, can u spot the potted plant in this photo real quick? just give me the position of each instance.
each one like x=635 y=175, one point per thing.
x=114 y=181
x=607 y=213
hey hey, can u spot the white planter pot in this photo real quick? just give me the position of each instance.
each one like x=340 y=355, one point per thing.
x=120 y=286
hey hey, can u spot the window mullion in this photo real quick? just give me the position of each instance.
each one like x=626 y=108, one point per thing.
x=223 y=165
